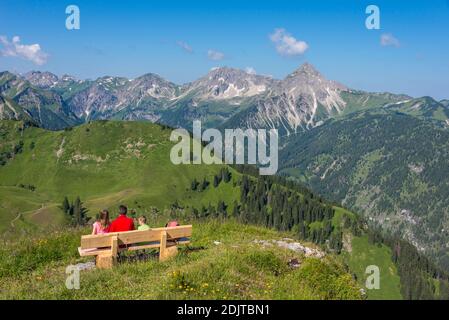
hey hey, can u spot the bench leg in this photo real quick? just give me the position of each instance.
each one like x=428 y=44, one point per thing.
x=166 y=252
x=105 y=261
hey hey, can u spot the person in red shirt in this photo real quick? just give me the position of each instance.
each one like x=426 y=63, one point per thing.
x=122 y=222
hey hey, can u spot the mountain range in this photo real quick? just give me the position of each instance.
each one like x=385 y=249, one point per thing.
x=381 y=154
x=225 y=96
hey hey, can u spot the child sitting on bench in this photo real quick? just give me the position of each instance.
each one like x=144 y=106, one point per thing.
x=101 y=226
x=142 y=220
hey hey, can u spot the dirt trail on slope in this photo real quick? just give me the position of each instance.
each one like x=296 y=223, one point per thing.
x=34 y=213
x=15 y=219
x=61 y=149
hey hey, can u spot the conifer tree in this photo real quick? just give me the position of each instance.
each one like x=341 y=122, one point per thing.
x=79 y=213
x=216 y=181
x=65 y=205
x=204 y=184
x=194 y=185
x=235 y=210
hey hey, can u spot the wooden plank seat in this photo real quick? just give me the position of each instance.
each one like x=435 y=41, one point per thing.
x=106 y=246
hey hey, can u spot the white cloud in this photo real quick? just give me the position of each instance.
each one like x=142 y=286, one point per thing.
x=185 y=46
x=286 y=44
x=250 y=70
x=215 y=55
x=30 y=52
x=387 y=39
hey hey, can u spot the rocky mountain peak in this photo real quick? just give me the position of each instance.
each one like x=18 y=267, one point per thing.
x=306 y=69
x=228 y=83
x=152 y=78
x=68 y=78
x=306 y=79
x=225 y=72
x=146 y=86
x=43 y=80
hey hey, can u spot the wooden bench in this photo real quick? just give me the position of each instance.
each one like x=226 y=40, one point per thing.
x=106 y=246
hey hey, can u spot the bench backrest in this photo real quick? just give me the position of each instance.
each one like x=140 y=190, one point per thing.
x=134 y=237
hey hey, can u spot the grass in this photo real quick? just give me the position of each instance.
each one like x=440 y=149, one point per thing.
x=20 y=209
x=237 y=268
x=359 y=253
x=364 y=254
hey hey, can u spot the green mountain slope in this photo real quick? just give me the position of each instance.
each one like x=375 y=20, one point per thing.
x=9 y=110
x=103 y=162
x=357 y=101
x=423 y=108
x=211 y=113
x=391 y=167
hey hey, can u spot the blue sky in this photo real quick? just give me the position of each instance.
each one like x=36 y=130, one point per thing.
x=130 y=38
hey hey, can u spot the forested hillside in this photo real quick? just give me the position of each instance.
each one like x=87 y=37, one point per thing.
x=391 y=167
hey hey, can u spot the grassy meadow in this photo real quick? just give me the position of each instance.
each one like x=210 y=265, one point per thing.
x=223 y=262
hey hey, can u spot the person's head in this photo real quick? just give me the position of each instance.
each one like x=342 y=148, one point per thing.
x=171 y=224
x=103 y=218
x=122 y=210
x=142 y=220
